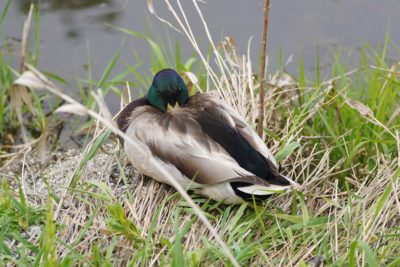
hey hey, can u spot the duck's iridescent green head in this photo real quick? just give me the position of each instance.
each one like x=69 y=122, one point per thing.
x=167 y=88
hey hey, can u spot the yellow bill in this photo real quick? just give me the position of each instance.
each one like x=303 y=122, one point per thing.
x=171 y=108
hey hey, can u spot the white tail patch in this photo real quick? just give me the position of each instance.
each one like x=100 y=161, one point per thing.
x=263 y=190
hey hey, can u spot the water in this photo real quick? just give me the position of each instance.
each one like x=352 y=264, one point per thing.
x=71 y=28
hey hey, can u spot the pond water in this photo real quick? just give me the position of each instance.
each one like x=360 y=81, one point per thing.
x=71 y=28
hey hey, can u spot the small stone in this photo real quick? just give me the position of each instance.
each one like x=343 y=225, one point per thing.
x=34 y=231
x=317 y=261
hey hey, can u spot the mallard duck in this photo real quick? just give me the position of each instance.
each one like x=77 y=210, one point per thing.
x=202 y=142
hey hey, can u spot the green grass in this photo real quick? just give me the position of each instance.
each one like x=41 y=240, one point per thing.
x=16 y=217
x=345 y=155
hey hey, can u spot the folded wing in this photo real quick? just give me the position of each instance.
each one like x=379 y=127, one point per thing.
x=177 y=139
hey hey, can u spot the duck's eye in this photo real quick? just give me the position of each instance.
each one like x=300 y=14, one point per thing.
x=179 y=89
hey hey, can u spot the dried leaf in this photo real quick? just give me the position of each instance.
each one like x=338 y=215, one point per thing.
x=26 y=97
x=29 y=79
x=190 y=80
x=360 y=107
x=18 y=96
x=150 y=6
x=72 y=108
x=25 y=33
x=229 y=47
x=283 y=80
x=42 y=143
x=126 y=97
x=394 y=115
x=104 y=111
x=16 y=102
x=192 y=77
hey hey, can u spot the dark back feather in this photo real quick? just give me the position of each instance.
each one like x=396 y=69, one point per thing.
x=214 y=123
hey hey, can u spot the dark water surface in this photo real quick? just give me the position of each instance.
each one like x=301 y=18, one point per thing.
x=71 y=28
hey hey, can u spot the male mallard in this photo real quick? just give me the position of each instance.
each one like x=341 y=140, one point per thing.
x=204 y=144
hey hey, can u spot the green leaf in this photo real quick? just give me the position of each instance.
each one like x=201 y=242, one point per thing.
x=95 y=147
x=177 y=253
x=106 y=194
x=370 y=256
x=304 y=210
x=394 y=263
x=108 y=69
x=86 y=227
x=119 y=224
x=385 y=196
x=189 y=63
x=286 y=151
x=4 y=13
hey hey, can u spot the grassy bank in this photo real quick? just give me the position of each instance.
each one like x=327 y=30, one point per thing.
x=338 y=137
